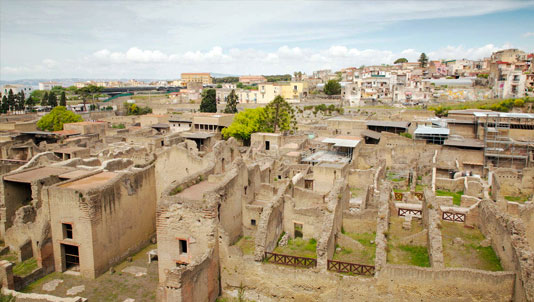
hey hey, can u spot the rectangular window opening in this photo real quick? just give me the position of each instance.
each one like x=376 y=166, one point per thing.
x=183 y=246
x=67 y=230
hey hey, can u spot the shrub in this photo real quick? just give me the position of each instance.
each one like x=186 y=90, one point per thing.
x=406 y=134
x=176 y=190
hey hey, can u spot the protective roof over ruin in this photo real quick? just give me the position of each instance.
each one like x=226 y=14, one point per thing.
x=371 y=134
x=94 y=181
x=29 y=176
x=326 y=156
x=505 y=114
x=388 y=124
x=339 y=142
x=69 y=150
x=197 y=134
x=431 y=130
x=472 y=143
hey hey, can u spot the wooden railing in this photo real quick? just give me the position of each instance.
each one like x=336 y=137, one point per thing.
x=456 y=217
x=290 y=260
x=403 y=212
x=398 y=196
x=419 y=195
x=347 y=267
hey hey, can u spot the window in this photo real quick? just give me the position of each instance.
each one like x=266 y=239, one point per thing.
x=183 y=246
x=253 y=221
x=67 y=230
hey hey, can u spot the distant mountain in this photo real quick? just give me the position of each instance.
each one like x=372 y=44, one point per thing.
x=222 y=75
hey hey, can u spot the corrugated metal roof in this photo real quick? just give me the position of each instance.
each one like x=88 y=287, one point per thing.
x=473 y=143
x=504 y=114
x=431 y=130
x=349 y=143
x=371 y=134
x=388 y=124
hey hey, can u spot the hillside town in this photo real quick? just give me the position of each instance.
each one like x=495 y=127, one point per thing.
x=405 y=182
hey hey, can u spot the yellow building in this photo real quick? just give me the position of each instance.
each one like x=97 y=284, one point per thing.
x=291 y=92
x=200 y=77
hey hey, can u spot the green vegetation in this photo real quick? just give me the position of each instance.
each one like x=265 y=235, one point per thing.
x=332 y=87
x=54 y=120
x=88 y=92
x=176 y=190
x=278 y=78
x=299 y=247
x=520 y=199
x=324 y=109
x=495 y=105
x=483 y=75
x=423 y=60
x=400 y=190
x=394 y=177
x=418 y=255
x=245 y=123
x=400 y=60
x=209 y=101
x=419 y=188
x=365 y=255
x=133 y=109
x=355 y=192
x=118 y=126
x=22 y=269
x=246 y=244
x=278 y=115
x=456 y=196
x=406 y=134
x=470 y=254
x=8 y=298
x=231 y=103
x=226 y=80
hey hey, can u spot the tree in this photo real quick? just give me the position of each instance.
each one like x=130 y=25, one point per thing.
x=44 y=100
x=54 y=120
x=231 y=103
x=4 y=107
x=88 y=91
x=245 y=123
x=332 y=87
x=10 y=100
x=240 y=85
x=278 y=115
x=30 y=102
x=400 y=60
x=209 y=101
x=63 y=99
x=52 y=99
x=20 y=101
x=423 y=60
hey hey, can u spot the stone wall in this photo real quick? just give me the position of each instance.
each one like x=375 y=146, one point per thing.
x=509 y=241
x=453 y=185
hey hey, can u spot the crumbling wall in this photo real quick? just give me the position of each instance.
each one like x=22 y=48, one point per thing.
x=432 y=222
x=453 y=185
x=509 y=241
x=332 y=221
x=270 y=226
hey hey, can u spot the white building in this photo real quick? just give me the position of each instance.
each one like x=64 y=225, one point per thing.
x=16 y=89
x=48 y=85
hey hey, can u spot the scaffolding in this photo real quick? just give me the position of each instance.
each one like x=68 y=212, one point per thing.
x=500 y=147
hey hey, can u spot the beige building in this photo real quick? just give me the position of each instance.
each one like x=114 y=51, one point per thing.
x=87 y=128
x=199 y=77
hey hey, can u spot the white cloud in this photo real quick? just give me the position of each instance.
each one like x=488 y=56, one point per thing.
x=140 y=63
x=528 y=34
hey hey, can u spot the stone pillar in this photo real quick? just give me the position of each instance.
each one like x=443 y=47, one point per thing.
x=6 y=274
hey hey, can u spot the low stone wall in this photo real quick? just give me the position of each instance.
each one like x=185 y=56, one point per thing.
x=40 y=297
x=431 y=220
x=453 y=185
x=382 y=227
x=360 y=221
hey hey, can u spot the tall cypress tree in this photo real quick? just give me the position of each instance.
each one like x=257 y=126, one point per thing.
x=20 y=100
x=44 y=100
x=209 y=101
x=11 y=100
x=52 y=99
x=63 y=100
x=4 y=106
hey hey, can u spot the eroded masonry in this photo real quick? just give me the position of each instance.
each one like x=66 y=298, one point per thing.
x=347 y=209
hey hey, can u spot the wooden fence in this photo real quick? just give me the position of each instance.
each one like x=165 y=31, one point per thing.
x=416 y=213
x=456 y=217
x=347 y=267
x=290 y=260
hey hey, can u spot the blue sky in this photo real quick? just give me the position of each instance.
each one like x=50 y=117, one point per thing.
x=161 y=39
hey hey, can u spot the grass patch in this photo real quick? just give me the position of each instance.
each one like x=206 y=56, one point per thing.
x=355 y=192
x=395 y=177
x=470 y=254
x=247 y=245
x=418 y=255
x=299 y=247
x=176 y=190
x=456 y=196
x=400 y=190
x=520 y=199
x=419 y=188
x=365 y=255
x=25 y=267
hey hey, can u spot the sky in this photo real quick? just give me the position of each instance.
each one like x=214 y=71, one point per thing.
x=161 y=39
